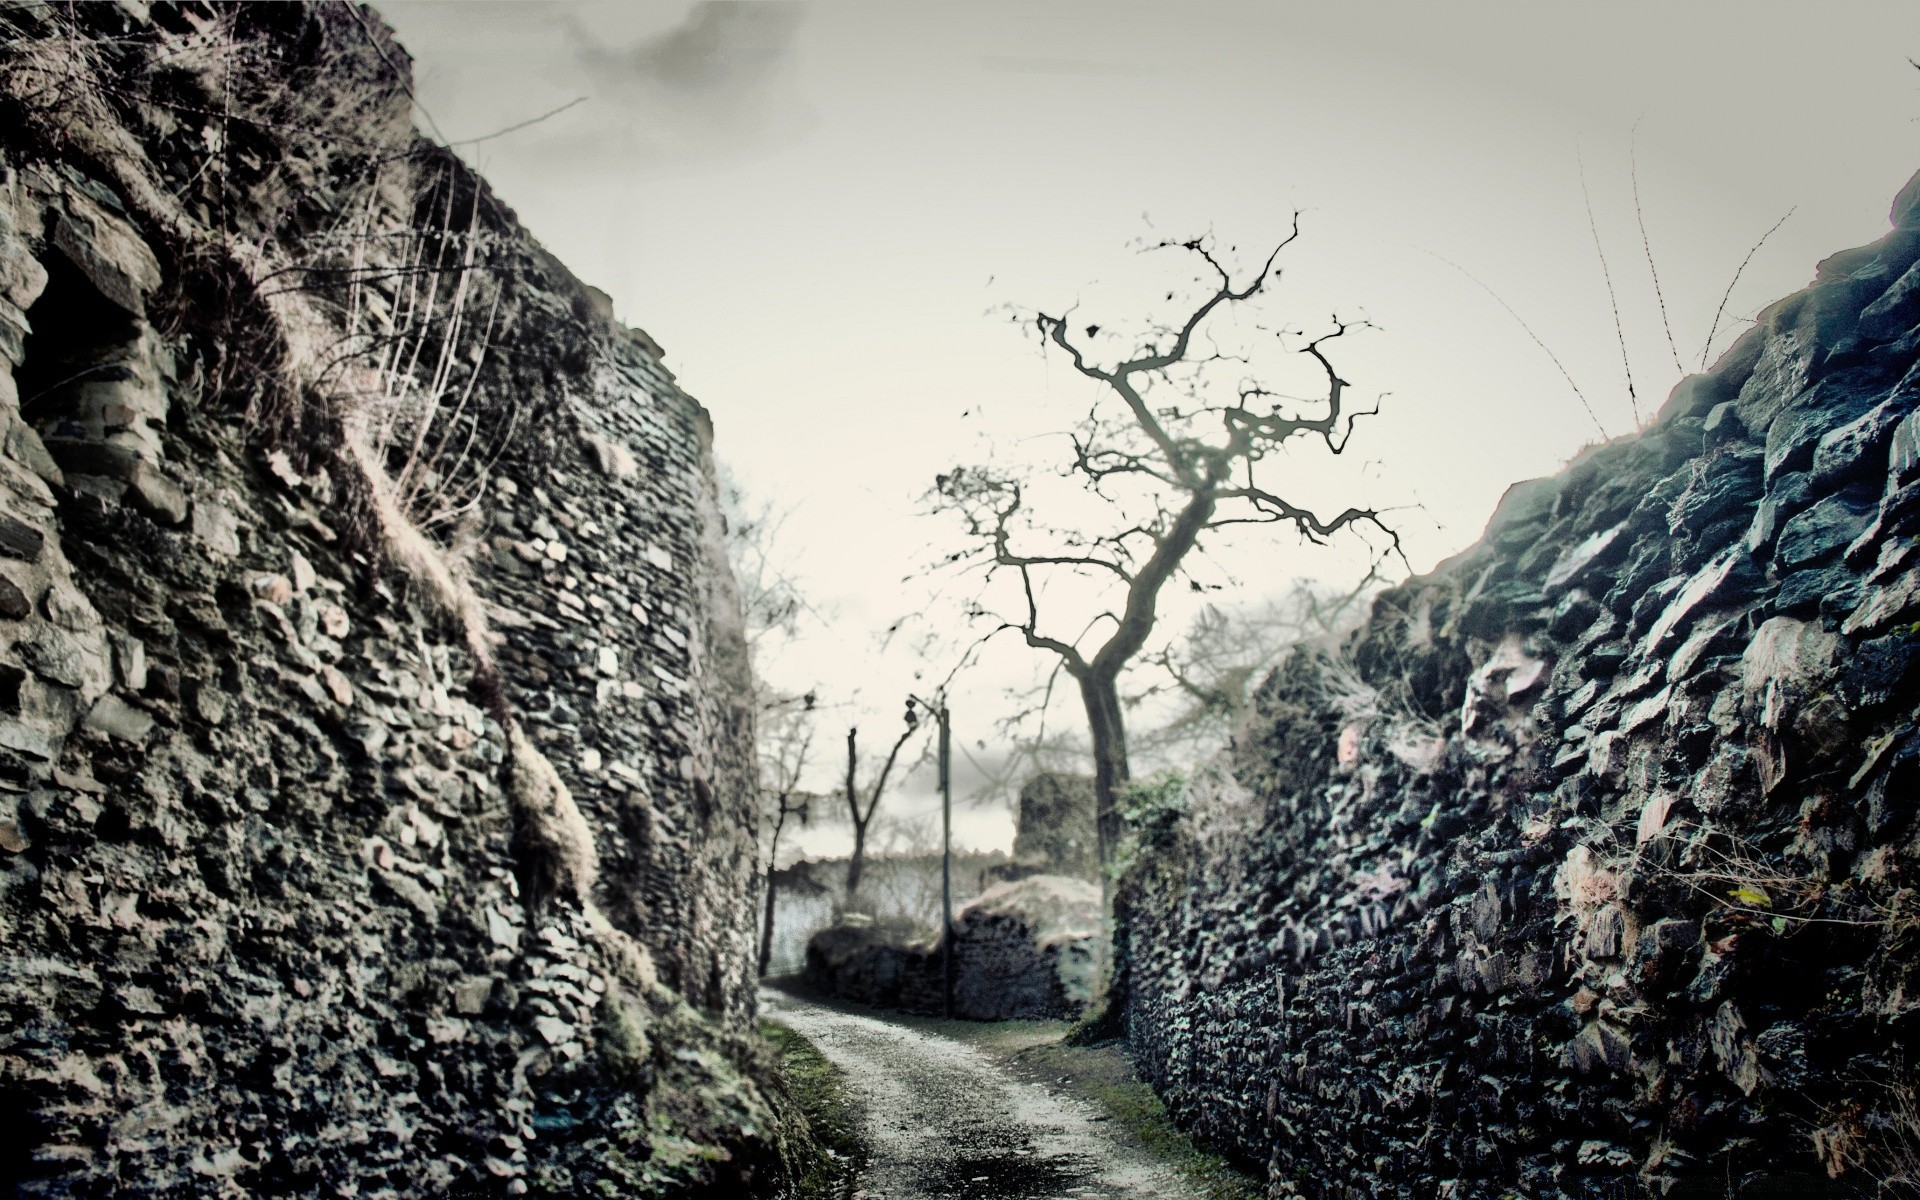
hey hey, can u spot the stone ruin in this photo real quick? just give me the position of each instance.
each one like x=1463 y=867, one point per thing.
x=1054 y=828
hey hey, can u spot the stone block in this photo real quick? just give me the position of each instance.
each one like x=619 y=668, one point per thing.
x=1821 y=532
x=116 y=718
x=113 y=257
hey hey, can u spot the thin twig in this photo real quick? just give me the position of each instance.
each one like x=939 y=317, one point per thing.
x=487 y=137
x=1619 y=331
x=1646 y=244
x=1704 y=350
x=1521 y=321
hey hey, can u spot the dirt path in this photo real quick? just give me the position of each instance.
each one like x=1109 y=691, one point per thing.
x=945 y=1120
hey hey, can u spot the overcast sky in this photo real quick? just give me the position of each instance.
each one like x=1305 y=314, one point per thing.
x=819 y=211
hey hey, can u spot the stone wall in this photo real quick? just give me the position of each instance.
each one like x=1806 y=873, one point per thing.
x=1586 y=867
x=375 y=773
x=897 y=890
x=1022 y=950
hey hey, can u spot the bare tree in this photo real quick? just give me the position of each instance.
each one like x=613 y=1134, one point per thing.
x=1211 y=670
x=860 y=808
x=785 y=738
x=1176 y=455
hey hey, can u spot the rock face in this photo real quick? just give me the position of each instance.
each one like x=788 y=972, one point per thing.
x=375 y=784
x=1585 y=868
x=1022 y=950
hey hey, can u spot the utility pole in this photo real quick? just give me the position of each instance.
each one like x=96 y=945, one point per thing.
x=946 y=852
x=939 y=710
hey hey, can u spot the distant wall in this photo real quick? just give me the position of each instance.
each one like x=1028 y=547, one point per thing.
x=1586 y=867
x=901 y=890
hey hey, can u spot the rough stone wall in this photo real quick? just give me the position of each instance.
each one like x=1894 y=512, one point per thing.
x=1022 y=950
x=1586 y=867
x=375 y=774
x=897 y=890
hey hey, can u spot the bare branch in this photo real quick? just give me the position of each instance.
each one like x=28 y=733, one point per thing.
x=1722 y=310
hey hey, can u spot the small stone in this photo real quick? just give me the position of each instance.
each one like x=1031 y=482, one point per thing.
x=22 y=278
x=25 y=739
x=79 y=781
x=590 y=760
x=1820 y=531
x=503 y=932
x=130 y=662
x=24 y=444
x=1578 y=559
x=311 y=689
x=1694 y=592
x=107 y=250
x=53 y=654
x=274 y=589
x=1706 y=638
x=20 y=540
x=14 y=605
x=1803 y=592
x=217 y=528
x=303 y=574
x=13 y=838
x=334 y=622
x=470 y=995
x=410 y=891
x=68 y=609
x=1851 y=451
x=1903 y=452
x=207 y=702
x=557 y=551
x=281 y=466
x=613 y=459
x=553 y=1030
x=337 y=686
x=1653 y=818
x=1599 y=1047
x=116 y=718
x=150 y=491
x=1723 y=421
x=609 y=661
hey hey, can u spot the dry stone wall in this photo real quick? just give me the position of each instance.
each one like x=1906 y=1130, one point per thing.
x=375 y=771
x=1586 y=868
x=1022 y=950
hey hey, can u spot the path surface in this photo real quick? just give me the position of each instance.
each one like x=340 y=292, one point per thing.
x=946 y=1121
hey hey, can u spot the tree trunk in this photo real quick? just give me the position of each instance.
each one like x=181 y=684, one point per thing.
x=1100 y=692
x=859 y=859
x=773 y=858
x=766 y=932
x=853 y=814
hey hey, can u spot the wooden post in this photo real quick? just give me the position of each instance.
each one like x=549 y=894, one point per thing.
x=946 y=854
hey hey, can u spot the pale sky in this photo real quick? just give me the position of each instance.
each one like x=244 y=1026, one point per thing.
x=814 y=209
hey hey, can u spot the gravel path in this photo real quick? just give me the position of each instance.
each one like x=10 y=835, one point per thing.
x=945 y=1121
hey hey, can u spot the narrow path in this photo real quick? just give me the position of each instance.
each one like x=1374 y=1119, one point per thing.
x=946 y=1122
